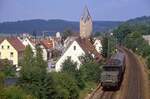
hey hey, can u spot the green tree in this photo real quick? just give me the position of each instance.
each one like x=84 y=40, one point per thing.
x=105 y=47
x=122 y=31
x=27 y=66
x=34 y=77
x=135 y=42
x=39 y=62
x=65 y=86
x=79 y=77
x=7 y=68
x=2 y=77
x=92 y=71
x=70 y=68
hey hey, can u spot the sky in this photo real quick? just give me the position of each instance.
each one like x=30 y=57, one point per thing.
x=104 y=10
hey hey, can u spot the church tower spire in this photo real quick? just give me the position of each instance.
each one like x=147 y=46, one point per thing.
x=86 y=24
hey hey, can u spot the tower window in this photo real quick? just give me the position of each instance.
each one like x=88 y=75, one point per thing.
x=74 y=47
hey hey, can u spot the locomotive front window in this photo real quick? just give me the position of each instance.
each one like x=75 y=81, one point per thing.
x=110 y=68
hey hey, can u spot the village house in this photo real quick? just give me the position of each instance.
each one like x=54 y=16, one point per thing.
x=45 y=44
x=47 y=47
x=79 y=47
x=12 y=49
x=68 y=41
x=29 y=42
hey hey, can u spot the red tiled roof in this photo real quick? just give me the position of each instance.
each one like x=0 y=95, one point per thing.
x=88 y=48
x=16 y=43
x=48 y=44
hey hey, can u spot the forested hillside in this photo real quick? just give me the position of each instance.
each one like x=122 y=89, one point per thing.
x=52 y=26
x=130 y=34
x=140 y=24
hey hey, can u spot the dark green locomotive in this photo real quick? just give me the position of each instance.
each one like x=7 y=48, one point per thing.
x=113 y=71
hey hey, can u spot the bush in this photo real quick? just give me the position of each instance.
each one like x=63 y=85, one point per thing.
x=70 y=68
x=65 y=86
x=14 y=93
x=2 y=77
x=91 y=71
x=7 y=68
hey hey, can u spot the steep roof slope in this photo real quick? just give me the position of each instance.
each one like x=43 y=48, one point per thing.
x=88 y=47
x=16 y=43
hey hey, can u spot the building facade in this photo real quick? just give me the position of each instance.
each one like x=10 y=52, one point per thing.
x=12 y=49
x=147 y=38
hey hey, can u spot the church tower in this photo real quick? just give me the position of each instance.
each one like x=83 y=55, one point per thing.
x=86 y=25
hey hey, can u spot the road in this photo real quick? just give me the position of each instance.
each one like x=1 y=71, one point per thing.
x=132 y=86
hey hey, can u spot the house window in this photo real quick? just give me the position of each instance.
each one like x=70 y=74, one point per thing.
x=74 y=47
x=2 y=47
x=11 y=54
x=8 y=47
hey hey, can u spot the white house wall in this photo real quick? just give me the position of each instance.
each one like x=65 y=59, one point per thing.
x=5 y=52
x=70 y=52
x=27 y=42
x=98 y=45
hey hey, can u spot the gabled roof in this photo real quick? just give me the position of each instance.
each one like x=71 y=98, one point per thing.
x=47 y=43
x=16 y=43
x=88 y=48
x=86 y=15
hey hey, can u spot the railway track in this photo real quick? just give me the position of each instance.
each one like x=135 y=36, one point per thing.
x=133 y=85
x=99 y=93
x=107 y=95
